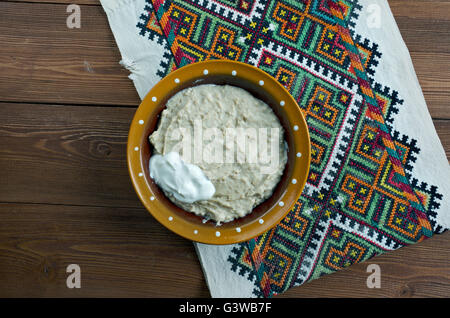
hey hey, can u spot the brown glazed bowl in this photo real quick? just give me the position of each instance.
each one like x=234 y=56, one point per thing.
x=264 y=216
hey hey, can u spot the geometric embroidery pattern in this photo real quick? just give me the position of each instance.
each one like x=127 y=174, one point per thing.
x=354 y=204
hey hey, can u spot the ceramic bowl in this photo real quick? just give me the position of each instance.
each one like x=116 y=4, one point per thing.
x=264 y=216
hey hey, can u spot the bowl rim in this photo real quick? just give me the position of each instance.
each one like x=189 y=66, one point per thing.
x=207 y=234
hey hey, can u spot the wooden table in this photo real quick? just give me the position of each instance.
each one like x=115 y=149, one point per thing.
x=65 y=194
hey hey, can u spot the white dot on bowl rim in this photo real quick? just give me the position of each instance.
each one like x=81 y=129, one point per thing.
x=282 y=103
x=154 y=98
x=233 y=73
x=136 y=148
x=294 y=181
x=152 y=198
x=177 y=80
x=299 y=154
x=195 y=231
x=281 y=203
x=205 y=71
x=295 y=127
x=217 y=233
x=261 y=221
x=141 y=122
x=261 y=82
x=170 y=218
x=238 y=229
x=140 y=174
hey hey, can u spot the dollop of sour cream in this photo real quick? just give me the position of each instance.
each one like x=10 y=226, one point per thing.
x=185 y=181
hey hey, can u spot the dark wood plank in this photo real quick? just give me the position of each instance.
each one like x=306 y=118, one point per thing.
x=49 y=63
x=81 y=66
x=65 y=155
x=424 y=24
x=74 y=158
x=67 y=2
x=420 y=270
x=443 y=130
x=74 y=155
x=433 y=72
x=122 y=252
x=425 y=27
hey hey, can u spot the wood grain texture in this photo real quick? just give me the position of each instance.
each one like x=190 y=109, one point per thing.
x=49 y=63
x=122 y=252
x=74 y=158
x=407 y=272
x=65 y=194
x=436 y=89
x=80 y=66
x=425 y=28
x=66 y=2
x=443 y=130
x=63 y=154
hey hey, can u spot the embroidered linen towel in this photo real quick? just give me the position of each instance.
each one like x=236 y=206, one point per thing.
x=373 y=186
